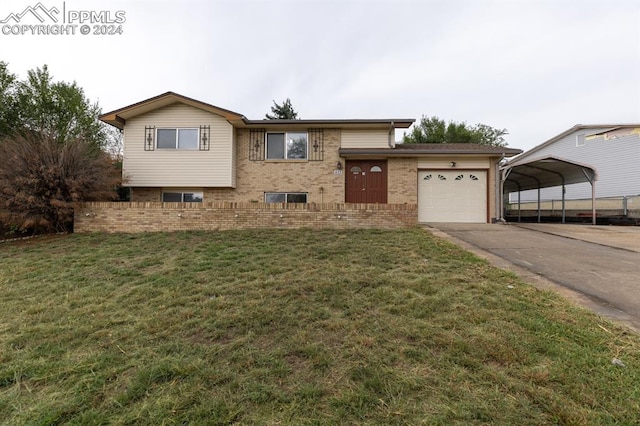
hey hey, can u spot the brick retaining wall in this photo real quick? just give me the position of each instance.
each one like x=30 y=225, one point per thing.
x=152 y=217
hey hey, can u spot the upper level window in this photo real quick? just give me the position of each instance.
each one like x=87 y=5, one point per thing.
x=177 y=138
x=287 y=146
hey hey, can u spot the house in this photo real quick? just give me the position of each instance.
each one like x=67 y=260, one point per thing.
x=613 y=150
x=178 y=149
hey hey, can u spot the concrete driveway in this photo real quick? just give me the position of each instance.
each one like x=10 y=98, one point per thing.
x=595 y=266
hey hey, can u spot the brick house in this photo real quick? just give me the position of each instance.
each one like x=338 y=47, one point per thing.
x=178 y=149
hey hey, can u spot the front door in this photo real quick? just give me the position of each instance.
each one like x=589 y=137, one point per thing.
x=366 y=181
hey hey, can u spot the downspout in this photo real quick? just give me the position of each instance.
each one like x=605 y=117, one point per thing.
x=392 y=135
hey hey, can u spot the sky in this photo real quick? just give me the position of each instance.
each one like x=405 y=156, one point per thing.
x=532 y=67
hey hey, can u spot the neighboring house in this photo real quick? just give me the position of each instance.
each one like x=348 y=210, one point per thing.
x=613 y=150
x=178 y=149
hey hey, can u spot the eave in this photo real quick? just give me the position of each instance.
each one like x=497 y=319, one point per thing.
x=430 y=150
x=119 y=117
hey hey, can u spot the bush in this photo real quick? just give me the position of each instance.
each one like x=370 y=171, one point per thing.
x=41 y=180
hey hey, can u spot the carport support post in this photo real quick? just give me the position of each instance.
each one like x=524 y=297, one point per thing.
x=538 y=203
x=519 y=215
x=563 y=206
x=593 y=202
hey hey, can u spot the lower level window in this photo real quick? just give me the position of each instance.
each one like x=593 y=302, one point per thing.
x=285 y=197
x=182 y=197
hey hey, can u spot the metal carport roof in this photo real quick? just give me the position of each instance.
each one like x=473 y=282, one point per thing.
x=547 y=172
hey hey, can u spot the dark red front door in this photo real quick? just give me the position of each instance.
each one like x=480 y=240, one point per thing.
x=366 y=181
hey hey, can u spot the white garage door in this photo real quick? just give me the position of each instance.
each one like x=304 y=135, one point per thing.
x=452 y=196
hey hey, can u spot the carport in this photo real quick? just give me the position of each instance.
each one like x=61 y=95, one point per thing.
x=547 y=172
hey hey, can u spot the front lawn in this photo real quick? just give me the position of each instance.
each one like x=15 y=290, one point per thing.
x=296 y=327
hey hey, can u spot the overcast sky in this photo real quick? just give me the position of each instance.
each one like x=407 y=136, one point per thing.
x=533 y=67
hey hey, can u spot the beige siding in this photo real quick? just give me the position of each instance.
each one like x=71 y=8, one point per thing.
x=365 y=139
x=179 y=168
x=461 y=163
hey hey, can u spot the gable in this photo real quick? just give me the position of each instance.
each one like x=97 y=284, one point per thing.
x=119 y=117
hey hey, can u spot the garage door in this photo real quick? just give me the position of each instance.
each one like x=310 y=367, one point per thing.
x=452 y=196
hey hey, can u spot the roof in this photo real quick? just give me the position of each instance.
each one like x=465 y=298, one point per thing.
x=119 y=117
x=413 y=150
x=522 y=174
x=598 y=128
x=396 y=123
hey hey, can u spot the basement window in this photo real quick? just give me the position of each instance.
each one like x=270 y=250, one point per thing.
x=182 y=197
x=285 y=197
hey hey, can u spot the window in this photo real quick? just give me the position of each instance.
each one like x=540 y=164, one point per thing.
x=182 y=197
x=580 y=140
x=285 y=197
x=287 y=146
x=177 y=138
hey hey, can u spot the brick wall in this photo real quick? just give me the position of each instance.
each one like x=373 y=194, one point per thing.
x=402 y=180
x=153 y=216
x=317 y=178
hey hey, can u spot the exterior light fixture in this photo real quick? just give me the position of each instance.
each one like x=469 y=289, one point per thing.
x=453 y=164
x=338 y=165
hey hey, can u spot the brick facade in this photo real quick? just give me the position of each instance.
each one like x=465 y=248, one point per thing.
x=402 y=181
x=316 y=178
x=150 y=217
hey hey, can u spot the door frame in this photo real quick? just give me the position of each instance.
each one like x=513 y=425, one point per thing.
x=366 y=165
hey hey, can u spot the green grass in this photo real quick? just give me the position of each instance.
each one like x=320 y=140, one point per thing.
x=296 y=327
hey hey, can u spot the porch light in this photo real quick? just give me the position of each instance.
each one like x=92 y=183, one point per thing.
x=338 y=165
x=453 y=164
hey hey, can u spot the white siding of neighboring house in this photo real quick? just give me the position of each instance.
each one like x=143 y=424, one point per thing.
x=365 y=139
x=179 y=168
x=616 y=160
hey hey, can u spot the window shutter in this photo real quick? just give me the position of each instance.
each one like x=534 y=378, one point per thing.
x=256 y=144
x=149 y=138
x=205 y=138
x=316 y=145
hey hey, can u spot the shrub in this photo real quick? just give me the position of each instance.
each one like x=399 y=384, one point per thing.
x=41 y=179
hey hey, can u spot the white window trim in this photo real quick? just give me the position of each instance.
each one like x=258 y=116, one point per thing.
x=177 y=129
x=286 y=151
x=581 y=140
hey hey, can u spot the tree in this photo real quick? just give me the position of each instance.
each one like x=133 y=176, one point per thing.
x=58 y=110
x=435 y=130
x=8 y=116
x=43 y=106
x=53 y=151
x=282 y=112
x=41 y=178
